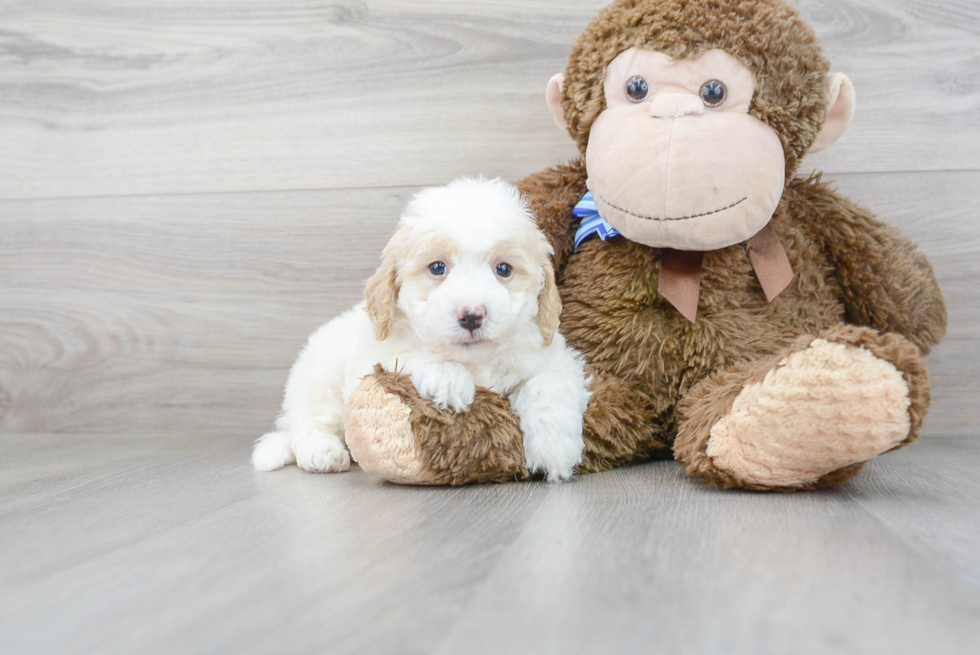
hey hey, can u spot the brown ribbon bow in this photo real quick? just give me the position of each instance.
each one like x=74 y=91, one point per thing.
x=680 y=271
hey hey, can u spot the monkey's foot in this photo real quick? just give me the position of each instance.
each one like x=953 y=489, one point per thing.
x=809 y=418
x=396 y=435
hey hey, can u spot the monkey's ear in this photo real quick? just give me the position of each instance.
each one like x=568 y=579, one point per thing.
x=381 y=293
x=553 y=96
x=840 y=111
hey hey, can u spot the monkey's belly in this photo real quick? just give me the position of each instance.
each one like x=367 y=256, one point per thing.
x=613 y=315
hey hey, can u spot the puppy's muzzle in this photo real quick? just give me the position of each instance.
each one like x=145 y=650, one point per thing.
x=471 y=318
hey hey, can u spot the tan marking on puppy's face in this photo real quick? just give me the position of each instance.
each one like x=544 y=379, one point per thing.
x=520 y=256
x=416 y=269
x=532 y=272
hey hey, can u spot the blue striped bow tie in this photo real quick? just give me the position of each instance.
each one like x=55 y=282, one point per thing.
x=591 y=223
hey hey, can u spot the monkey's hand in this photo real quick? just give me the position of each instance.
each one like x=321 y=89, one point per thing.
x=395 y=434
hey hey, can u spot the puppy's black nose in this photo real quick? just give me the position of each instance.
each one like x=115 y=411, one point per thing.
x=470 y=318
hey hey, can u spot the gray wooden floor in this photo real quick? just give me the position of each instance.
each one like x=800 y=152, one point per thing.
x=148 y=544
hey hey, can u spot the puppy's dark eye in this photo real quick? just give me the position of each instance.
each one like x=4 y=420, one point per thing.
x=637 y=89
x=504 y=270
x=713 y=93
x=437 y=268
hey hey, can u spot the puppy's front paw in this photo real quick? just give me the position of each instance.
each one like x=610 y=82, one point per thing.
x=320 y=452
x=556 y=455
x=447 y=384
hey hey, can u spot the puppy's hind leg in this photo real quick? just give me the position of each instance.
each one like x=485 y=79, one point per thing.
x=272 y=451
x=313 y=410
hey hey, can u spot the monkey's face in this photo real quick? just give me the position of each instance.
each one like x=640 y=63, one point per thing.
x=675 y=160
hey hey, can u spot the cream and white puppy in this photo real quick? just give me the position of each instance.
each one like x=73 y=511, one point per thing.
x=465 y=297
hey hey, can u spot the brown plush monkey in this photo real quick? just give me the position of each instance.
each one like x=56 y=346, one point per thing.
x=752 y=324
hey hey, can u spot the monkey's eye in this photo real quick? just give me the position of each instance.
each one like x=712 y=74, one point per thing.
x=713 y=93
x=437 y=268
x=504 y=270
x=637 y=89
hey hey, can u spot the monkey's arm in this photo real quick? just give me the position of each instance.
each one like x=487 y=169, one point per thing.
x=553 y=193
x=887 y=283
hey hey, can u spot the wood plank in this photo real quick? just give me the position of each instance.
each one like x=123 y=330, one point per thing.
x=171 y=312
x=177 y=313
x=124 y=97
x=916 y=69
x=189 y=550
x=174 y=545
x=642 y=556
x=942 y=521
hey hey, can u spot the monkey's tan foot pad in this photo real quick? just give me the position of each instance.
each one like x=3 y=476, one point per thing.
x=396 y=435
x=821 y=409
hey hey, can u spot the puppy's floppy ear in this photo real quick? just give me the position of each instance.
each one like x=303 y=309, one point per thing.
x=549 y=300
x=381 y=290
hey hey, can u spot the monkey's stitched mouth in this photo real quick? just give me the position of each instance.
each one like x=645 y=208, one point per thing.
x=676 y=218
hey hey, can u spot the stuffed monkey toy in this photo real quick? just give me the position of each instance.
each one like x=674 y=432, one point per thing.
x=752 y=324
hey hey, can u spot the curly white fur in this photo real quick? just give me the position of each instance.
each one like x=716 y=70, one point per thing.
x=411 y=321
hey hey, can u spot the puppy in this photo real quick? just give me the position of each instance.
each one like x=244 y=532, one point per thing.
x=465 y=297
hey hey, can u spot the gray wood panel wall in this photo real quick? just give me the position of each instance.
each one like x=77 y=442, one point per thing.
x=188 y=189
